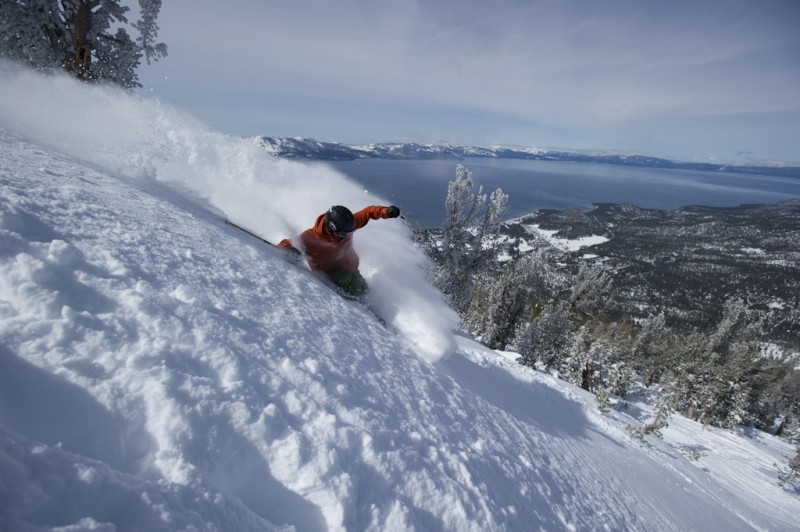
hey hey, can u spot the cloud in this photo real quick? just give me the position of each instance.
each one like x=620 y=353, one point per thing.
x=555 y=65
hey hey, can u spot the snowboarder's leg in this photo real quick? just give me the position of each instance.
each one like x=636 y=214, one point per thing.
x=352 y=284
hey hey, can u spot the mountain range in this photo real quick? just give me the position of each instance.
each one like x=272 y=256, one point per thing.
x=311 y=149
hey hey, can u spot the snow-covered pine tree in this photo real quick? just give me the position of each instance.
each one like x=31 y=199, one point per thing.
x=148 y=31
x=713 y=375
x=471 y=219
x=688 y=376
x=662 y=412
x=573 y=365
x=595 y=377
x=500 y=308
x=774 y=406
x=591 y=292
x=83 y=37
x=733 y=351
x=619 y=338
x=546 y=338
x=621 y=376
x=650 y=349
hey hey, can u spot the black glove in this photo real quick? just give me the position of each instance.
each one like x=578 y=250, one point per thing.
x=392 y=211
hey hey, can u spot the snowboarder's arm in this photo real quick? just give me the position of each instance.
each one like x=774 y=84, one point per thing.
x=375 y=212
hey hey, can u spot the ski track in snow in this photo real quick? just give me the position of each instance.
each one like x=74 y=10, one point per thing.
x=161 y=371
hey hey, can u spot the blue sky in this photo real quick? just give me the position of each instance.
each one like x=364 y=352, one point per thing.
x=689 y=79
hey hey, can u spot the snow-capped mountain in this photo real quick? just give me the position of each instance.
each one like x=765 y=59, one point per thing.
x=307 y=148
x=311 y=149
x=160 y=370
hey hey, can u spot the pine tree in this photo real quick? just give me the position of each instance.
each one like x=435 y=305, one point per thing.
x=734 y=351
x=591 y=292
x=663 y=412
x=76 y=35
x=773 y=404
x=471 y=220
x=713 y=376
x=574 y=364
x=687 y=376
x=148 y=31
x=501 y=306
x=650 y=349
x=621 y=377
x=546 y=338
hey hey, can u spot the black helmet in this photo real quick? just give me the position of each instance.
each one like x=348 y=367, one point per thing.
x=340 y=221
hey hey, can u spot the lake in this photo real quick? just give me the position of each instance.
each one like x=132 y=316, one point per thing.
x=419 y=187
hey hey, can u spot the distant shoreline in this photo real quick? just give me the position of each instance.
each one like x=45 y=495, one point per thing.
x=523 y=218
x=314 y=150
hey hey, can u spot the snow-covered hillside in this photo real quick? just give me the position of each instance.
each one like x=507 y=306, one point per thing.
x=161 y=371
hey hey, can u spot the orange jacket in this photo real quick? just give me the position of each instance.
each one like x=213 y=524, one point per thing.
x=326 y=252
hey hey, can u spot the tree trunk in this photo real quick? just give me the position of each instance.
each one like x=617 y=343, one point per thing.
x=586 y=377
x=78 y=60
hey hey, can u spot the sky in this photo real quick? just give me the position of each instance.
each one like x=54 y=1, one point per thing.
x=686 y=79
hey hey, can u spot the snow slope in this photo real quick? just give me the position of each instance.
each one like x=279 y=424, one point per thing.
x=161 y=371
x=143 y=140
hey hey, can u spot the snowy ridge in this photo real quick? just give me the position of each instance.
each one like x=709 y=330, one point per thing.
x=311 y=149
x=161 y=371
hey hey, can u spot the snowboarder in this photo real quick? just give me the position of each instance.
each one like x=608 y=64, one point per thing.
x=328 y=246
